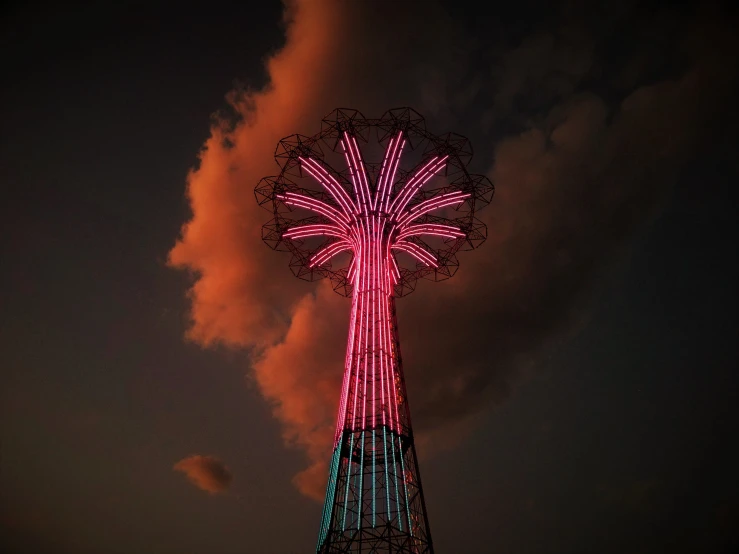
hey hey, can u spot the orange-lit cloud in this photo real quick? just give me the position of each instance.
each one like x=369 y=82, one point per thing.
x=570 y=189
x=243 y=294
x=205 y=472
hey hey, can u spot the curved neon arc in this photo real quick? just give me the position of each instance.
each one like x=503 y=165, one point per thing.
x=361 y=219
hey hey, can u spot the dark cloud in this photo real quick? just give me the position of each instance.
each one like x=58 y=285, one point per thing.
x=205 y=472
x=585 y=143
x=570 y=191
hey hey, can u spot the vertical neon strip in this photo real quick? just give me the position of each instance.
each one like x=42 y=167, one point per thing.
x=362 y=171
x=374 y=327
x=392 y=177
x=349 y=154
x=391 y=381
x=360 y=281
x=396 y=426
x=387 y=343
x=351 y=173
x=355 y=368
x=393 y=426
x=348 y=377
x=395 y=385
x=387 y=174
x=393 y=168
x=348 y=363
x=384 y=359
x=357 y=177
x=390 y=378
x=365 y=345
x=365 y=350
x=360 y=181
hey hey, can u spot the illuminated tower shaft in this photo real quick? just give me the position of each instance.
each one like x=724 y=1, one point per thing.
x=374 y=211
x=374 y=500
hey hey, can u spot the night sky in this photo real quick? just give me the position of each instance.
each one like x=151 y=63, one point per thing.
x=168 y=386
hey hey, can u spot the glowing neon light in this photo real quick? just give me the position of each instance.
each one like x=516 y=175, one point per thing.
x=329 y=251
x=303 y=231
x=392 y=176
x=359 y=177
x=372 y=224
x=384 y=172
x=420 y=178
x=417 y=252
x=317 y=206
x=446 y=231
x=441 y=201
x=362 y=170
x=320 y=174
x=387 y=174
x=352 y=268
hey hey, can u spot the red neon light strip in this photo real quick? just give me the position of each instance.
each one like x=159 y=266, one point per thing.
x=358 y=291
x=420 y=178
x=394 y=421
x=352 y=268
x=409 y=184
x=366 y=324
x=426 y=177
x=396 y=276
x=362 y=170
x=375 y=284
x=352 y=172
x=361 y=187
x=320 y=174
x=387 y=175
x=392 y=176
x=303 y=231
x=329 y=251
x=383 y=173
x=317 y=206
x=417 y=252
x=432 y=204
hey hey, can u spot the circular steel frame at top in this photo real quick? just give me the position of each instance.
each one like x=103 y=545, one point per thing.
x=435 y=258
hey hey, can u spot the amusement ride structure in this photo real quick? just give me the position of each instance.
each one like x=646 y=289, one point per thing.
x=374 y=220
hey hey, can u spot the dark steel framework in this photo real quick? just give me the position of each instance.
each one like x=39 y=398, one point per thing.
x=374 y=228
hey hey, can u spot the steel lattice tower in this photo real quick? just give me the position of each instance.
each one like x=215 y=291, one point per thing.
x=374 y=229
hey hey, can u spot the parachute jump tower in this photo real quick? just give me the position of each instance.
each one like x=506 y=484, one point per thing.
x=374 y=220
